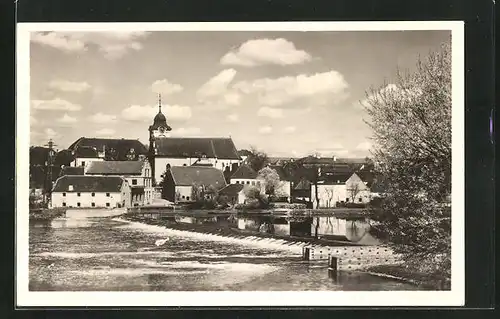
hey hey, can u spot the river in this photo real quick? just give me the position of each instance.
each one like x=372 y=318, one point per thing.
x=106 y=254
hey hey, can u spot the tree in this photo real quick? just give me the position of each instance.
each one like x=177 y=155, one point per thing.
x=271 y=180
x=353 y=191
x=411 y=124
x=254 y=192
x=257 y=159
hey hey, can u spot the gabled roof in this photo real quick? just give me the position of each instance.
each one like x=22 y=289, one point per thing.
x=304 y=184
x=115 y=168
x=84 y=183
x=69 y=170
x=222 y=148
x=99 y=144
x=334 y=179
x=231 y=189
x=244 y=172
x=189 y=175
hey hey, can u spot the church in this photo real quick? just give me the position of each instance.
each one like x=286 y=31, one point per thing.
x=165 y=151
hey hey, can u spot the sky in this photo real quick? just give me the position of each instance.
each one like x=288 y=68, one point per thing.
x=285 y=93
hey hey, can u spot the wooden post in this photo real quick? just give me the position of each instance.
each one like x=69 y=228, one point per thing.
x=306 y=251
x=332 y=267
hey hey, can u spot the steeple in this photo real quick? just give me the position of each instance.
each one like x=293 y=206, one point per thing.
x=159 y=103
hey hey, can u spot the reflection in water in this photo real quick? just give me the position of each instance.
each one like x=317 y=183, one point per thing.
x=91 y=254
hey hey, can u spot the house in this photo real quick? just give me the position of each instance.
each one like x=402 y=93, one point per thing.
x=235 y=193
x=302 y=191
x=336 y=189
x=245 y=175
x=90 y=191
x=137 y=173
x=165 y=151
x=86 y=150
x=180 y=180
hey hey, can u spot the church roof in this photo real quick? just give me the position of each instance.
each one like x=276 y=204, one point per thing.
x=115 y=168
x=99 y=144
x=189 y=175
x=244 y=172
x=221 y=148
x=83 y=183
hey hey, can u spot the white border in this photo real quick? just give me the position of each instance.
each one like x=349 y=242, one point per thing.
x=455 y=297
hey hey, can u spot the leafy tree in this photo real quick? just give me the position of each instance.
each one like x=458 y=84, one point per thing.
x=254 y=193
x=271 y=180
x=411 y=123
x=257 y=159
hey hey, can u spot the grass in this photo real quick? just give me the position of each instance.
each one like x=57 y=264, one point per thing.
x=412 y=275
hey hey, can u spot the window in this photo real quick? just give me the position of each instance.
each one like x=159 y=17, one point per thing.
x=187 y=197
x=64 y=194
x=183 y=196
x=78 y=204
x=184 y=165
x=134 y=182
x=78 y=194
x=83 y=163
x=93 y=194
x=253 y=182
x=93 y=204
x=360 y=200
x=64 y=204
x=347 y=200
x=107 y=194
x=107 y=204
x=248 y=182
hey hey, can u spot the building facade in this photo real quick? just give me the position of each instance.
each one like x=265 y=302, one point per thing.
x=80 y=191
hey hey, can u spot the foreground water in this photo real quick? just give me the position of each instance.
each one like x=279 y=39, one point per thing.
x=104 y=254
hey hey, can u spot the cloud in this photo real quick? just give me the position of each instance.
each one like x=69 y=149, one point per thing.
x=233 y=118
x=270 y=112
x=102 y=118
x=289 y=129
x=265 y=130
x=69 y=86
x=232 y=98
x=66 y=119
x=112 y=45
x=217 y=85
x=105 y=132
x=50 y=133
x=265 y=51
x=330 y=150
x=146 y=113
x=166 y=87
x=328 y=87
x=56 y=104
x=188 y=131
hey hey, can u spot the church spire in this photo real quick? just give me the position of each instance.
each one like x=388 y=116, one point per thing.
x=159 y=103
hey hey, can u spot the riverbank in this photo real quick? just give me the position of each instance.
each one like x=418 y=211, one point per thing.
x=410 y=275
x=46 y=214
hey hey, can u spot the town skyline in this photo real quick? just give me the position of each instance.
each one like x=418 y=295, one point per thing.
x=286 y=93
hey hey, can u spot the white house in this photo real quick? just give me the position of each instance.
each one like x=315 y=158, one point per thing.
x=137 y=173
x=357 y=190
x=179 y=182
x=90 y=192
x=235 y=193
x=245 y=175
x=335 y=189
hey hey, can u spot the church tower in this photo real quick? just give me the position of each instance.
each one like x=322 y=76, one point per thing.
x=159 y=129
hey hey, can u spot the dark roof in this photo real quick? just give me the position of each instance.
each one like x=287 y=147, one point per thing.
x=281 y=172
x=85 y=152
x=333 y=179
x=115 y=168
x=189 y=175
x=69 y=170
x=100 y=143
x=244 y=172
x=222 y=148
x=231 y=189
x=244 y=153
x=83 y=183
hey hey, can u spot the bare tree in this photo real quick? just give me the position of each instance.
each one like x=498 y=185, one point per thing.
x=353 y=191
x=329 y=193
x=257 y=159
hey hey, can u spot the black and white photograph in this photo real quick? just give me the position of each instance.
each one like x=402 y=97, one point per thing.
x=237 y=164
